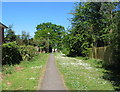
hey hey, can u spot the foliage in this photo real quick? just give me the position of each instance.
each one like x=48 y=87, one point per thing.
x=19 y=40
x=115 y=41
x=11 y=54
x=10 y=35
x=27 y=52
x=91 y=27
x=23 y=39
x=65 y=51
x=50 y=35
x=34 y=42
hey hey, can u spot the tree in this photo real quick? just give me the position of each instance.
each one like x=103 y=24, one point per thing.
x=23 y=39
x=50 y=35
x=10 y=34
x=91 y=25
x=115 y=41
x=85 y=27
x=19 y=40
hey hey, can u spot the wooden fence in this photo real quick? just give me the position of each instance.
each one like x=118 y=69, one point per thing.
x=102 y=53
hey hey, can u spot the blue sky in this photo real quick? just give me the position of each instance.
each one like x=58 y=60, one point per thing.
x=25 y=16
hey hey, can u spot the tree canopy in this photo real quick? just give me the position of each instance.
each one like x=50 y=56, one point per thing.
x=10 y=34
x=49 y=34
x=92 y=24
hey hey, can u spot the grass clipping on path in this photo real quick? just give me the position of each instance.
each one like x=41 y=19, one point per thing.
x=81 y=75
x=24 y=76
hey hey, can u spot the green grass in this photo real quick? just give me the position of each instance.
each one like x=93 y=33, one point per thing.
x=24 y=76
x=0 y=81
x=82 y=73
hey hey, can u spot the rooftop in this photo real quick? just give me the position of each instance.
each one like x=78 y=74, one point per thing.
x=2 y=25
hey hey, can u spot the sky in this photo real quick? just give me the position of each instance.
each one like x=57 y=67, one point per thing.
x=25 y=16
x=60 y=0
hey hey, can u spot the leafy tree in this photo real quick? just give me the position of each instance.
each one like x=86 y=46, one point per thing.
x=49 y=35
x=91 y=26
x=19 y=40
x=107 y=10
x=85 y=22
x=23 y=39
x=10 y=34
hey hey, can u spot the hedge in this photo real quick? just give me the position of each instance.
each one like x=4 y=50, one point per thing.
x=27 y=52
x=13 y=54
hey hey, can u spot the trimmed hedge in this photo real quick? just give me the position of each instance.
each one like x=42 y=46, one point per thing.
x=13 y=54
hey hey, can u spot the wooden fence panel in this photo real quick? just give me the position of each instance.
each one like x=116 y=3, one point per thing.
x=102 y=53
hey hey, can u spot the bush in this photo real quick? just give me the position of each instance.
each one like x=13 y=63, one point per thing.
x=13 y=54
x=10 y=54
x=65 y=51
x=27 y=52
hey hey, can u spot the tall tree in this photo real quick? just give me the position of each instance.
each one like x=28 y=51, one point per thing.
x=90 y=26
x=49 y=34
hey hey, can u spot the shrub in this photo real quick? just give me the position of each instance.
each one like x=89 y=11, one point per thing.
x=65 y=51
x=10 y=54
x=27 y=52
x=13 y=54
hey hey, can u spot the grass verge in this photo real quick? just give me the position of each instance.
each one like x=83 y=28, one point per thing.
x=82 y=74
x=24 y=76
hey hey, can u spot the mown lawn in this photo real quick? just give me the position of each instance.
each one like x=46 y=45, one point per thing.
x=26 y=75
x=82 y=74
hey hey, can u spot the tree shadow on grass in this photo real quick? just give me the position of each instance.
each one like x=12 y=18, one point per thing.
x=114 y=79
x=112 y=74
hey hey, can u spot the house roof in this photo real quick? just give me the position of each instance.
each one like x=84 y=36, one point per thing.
x=2 y=25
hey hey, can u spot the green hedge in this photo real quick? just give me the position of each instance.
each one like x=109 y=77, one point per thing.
x=13 y=54
x=27 y=52
x=10 y=54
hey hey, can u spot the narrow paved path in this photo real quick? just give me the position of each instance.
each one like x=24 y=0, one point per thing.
x=52 y=80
